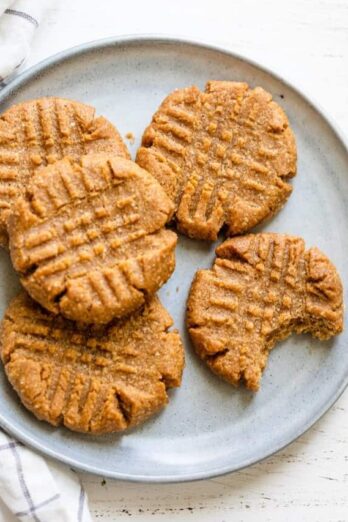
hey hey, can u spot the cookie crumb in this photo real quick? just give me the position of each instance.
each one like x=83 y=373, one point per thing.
x=130 y=137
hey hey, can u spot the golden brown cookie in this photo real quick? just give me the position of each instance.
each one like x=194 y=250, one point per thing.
x=261 y=288
x=38 y=132
x=224 y=156
x=93 y=379
x=87 y=237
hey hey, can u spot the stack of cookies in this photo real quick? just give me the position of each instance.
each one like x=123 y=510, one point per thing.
x=87 y=344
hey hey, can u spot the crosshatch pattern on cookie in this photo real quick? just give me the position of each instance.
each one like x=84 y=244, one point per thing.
x=223 y=156
x=261 y=288
x=39 y=132
x=91 y=379
x=88 y=237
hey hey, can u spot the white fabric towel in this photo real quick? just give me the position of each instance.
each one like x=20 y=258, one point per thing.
x=31 y=487
x=38 y=490
x=18 y=22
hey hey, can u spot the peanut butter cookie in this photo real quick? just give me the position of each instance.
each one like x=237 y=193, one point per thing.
x=224 y=156
x=91 y=379
x=38 y=132
x=87 y=237
x=261 y=288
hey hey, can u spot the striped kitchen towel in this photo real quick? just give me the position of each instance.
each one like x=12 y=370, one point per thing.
x=37 y=490
x=18 y=22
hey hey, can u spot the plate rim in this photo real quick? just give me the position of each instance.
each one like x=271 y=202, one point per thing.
x=136 y=39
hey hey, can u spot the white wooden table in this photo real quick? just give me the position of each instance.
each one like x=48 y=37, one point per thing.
x=306 y=41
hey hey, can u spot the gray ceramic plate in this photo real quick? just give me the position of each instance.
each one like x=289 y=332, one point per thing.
x=209 y=428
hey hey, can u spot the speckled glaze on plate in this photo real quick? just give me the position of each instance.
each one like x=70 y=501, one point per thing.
x=209 y=428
